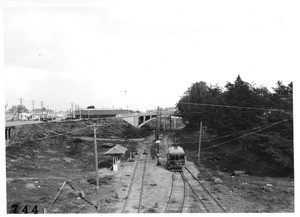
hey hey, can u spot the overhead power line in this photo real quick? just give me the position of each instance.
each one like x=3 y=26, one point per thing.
x=232 y=106
x=254 y=161
x=60 y=134
x=225 y=136
x=271 y=125
x=219 y=145
x=228 y=135
x=57 y=134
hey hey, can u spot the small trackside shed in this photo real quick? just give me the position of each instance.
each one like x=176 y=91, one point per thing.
x=116 y=152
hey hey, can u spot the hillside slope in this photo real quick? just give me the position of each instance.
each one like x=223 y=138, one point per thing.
x=39 y=161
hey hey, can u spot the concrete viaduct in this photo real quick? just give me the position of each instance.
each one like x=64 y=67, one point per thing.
x=136 y=119
x=140 y=119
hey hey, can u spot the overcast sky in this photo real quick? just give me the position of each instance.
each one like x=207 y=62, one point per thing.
x=144 y=54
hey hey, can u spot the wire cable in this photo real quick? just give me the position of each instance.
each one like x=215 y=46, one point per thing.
x=255 y=161
x=257 y=130
x=271 y=125
x=232 y=106
x=225 y=136
x=46 y=129
x=228 y=135
x=61 y=134
x=209 y=140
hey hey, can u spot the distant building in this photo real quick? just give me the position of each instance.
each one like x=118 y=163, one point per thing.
x=99 y=113
x=37 y=114
x=11 y=117
x=18 y=116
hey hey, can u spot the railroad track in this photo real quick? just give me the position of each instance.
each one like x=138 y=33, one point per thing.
x=209 y=203
x=177 y=196
x=134 y=196
x=176 y=203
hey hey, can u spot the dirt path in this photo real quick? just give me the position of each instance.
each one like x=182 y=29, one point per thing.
x=156 y=186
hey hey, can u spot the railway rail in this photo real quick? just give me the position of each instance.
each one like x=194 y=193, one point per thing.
x=204 y=196
x=177 y=196
x=134 y=198
x=206 y=201
x=133 y=202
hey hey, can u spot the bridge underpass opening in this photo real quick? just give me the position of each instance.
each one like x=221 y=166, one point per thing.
x=166 y=122
x=141 y=120
x=145 y=118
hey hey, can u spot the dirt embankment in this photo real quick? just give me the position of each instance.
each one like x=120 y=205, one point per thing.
x=112 y=128
x=254 y=192
x=40 y=160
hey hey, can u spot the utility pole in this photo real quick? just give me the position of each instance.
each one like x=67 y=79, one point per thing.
x=72 y=109
x=200 y=136
x=174 y=122
x=32 y=105
x=32 y=116
x=75 y=110
x=21 y=102
x=157 y=122
x=42 y=105
x=157 y=135
x=160 y=115
x=94 y=127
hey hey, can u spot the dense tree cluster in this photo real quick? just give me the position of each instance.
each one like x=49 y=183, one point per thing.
x=241 y=107
x=17 y=109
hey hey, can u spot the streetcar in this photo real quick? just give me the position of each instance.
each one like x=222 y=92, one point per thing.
x=175 y=158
